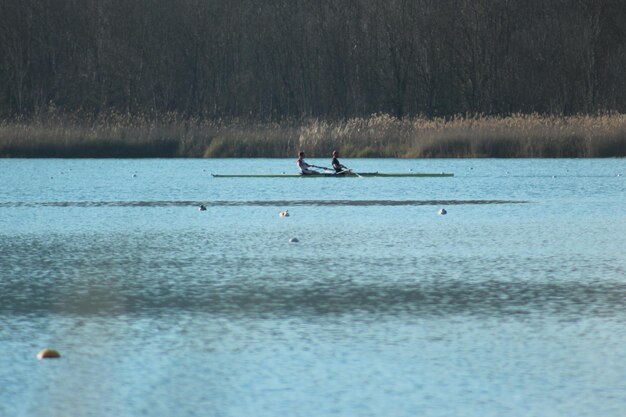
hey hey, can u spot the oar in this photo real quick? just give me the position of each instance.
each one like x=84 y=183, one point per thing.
x=352 y=172
x=324 y=168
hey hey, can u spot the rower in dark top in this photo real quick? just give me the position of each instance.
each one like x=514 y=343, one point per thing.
x=305 y=169
x=339 y=168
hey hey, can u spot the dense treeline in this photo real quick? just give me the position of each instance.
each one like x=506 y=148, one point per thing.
x=276 y=59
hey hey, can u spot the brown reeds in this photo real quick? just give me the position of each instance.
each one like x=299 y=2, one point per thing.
x=381 y=135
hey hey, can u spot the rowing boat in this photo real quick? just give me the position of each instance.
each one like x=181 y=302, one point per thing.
x=345 y=174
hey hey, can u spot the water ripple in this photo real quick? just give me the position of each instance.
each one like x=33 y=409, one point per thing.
x=184 y=203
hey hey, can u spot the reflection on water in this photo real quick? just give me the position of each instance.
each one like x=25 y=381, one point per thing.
x=491 y=298
x=137 y=274
x=241 y=274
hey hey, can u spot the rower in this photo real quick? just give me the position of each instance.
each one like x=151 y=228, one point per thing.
x=305 y=169
x=339 y=168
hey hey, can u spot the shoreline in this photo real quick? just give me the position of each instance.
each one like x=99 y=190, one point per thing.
x=377 y=136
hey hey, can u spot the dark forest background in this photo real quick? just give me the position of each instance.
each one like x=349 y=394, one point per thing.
x=278 y=59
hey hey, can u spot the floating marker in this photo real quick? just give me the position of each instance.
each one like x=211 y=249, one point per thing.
x=48 y=354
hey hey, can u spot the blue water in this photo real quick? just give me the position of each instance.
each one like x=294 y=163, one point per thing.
x=512 y=304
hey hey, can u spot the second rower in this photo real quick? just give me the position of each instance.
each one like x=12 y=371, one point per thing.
x=305 y=169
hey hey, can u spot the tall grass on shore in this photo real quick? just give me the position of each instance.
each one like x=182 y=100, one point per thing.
x=381 y=135
x=516 y=136
x=113 y=135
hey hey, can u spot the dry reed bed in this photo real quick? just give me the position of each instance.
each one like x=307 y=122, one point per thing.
x=170 y=135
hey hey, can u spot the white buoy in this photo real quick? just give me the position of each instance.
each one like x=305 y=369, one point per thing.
x=442 y=211
x=284 y=213
x=294 y=240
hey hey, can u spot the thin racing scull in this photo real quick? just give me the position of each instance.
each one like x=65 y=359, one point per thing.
x=345 y=174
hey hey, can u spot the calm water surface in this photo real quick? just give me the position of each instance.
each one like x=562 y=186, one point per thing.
x=513 y=304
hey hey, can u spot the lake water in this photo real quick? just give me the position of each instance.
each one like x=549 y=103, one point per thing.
x=512 y=304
